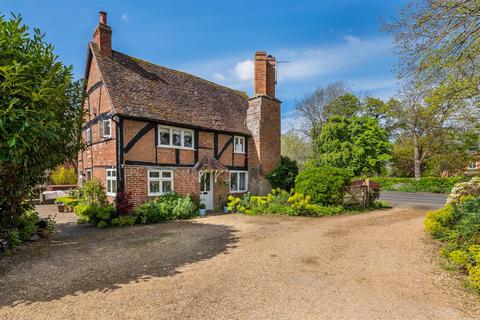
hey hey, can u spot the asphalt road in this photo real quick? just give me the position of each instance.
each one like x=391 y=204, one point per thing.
x=418 y=200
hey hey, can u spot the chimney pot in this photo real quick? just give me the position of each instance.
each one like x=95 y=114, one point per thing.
x=103 y=17
x=102 y=36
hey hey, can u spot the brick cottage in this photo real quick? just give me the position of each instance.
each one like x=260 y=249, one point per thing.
x=151 y=130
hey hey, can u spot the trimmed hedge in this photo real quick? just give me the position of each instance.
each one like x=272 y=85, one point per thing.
x=425 y=184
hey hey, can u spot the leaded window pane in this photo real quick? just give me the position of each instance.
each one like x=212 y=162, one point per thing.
x=177 y=137
x=167 y=186
x=154 y=186
x=242 y=181
x=165 y=136
x=187 y=139
x=233 y=182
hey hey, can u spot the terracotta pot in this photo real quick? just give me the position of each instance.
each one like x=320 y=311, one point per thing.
x=43 y=233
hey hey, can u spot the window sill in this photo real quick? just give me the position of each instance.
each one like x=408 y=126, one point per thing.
x=239 y=191
x=237 y=152
x=111 y=194
x=174 y=147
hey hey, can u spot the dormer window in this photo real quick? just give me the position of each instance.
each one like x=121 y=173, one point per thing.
x=239 y=144
x=175 y=137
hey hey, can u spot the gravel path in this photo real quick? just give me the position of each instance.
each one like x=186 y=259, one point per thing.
x=378 y=265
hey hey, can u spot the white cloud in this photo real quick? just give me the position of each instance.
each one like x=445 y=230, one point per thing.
x=352 y=40
x=243 y=70
x=354 y=60
x=124 y=17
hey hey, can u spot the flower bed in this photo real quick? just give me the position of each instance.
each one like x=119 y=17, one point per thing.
x=457 y=226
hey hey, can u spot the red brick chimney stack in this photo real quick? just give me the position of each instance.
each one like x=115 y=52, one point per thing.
x=264 y=74
x=102 y=36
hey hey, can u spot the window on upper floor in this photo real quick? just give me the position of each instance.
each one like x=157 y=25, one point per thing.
x=160 y=182
x=106 y=128
x=88 y=135
x=175 y=137
x=239 y=144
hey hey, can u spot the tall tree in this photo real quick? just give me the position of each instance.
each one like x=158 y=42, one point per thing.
x=315 y=108
x=430 y=121
x=295 y=146
x=438 y=42
x=40 y=115
x=358 y=144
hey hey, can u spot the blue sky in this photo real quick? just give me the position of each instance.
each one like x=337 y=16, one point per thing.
x=324 y=41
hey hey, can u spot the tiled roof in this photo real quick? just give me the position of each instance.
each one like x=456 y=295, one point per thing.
x=145 y=90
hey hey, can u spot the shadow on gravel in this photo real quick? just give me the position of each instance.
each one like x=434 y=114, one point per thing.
x=81 y=259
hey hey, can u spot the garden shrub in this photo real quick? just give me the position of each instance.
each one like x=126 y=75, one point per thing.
x=62 y=175
x=166 y=208
x=280 y=202
x=92 y=191
x=27 y=225
x=284 y=174
x=457 y=225
x=468 y=188
x=325 y=185
x=185 y=208
x=123 y=203
x=98 y=215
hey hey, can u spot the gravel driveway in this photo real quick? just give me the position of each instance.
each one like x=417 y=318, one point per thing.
x=378 y=265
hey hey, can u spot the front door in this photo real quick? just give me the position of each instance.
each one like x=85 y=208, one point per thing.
x=206 y=190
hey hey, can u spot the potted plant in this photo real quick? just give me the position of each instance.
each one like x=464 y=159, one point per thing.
x=45 y=227
x=203 y=209
x=60 y=206
x=225 y=207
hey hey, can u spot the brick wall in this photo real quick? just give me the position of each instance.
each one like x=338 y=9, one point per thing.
x=102 y=152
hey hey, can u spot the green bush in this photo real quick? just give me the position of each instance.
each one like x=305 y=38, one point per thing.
x=280 y=202
x=26 y=225
x=166 y=208
x=62 y=175
x=92 y=191
x=98 y=215
x=425 y=184
x=457 y=225
x=461 y=189
x=325 y=185
x=157 y=210
x=185 y=208
x=284 y=174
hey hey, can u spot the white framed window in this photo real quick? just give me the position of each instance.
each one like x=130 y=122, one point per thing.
x=88 y=135
x=106 y=128
x=160 y=182
x=88 y=174
x=473 y=165
x=175 y=137
x=239 y=144
x=112 y=182
x=238 y=181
